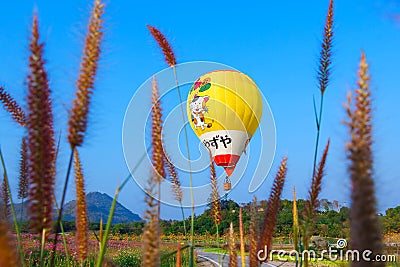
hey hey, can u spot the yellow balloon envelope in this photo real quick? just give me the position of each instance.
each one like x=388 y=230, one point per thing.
x=224 y=109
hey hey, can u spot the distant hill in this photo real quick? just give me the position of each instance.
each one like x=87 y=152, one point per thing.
x=98 y=206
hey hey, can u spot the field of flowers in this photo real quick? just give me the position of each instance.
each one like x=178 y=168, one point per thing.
x=122 y=250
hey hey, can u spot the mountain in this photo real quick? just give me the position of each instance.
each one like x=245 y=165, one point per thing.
x=98 y=206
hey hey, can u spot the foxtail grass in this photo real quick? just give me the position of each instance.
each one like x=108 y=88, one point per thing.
x=176 y=186
x=23 y=174
x=5 y=197
x=41 y=143
x=163 y=43
x=323 y=75
x=232 y=248
x=11 y=105
x=156 y=141
x=295 y=222
x=156 y=133
x=81 y=211
x=365 y=232
x=253 y=261
x=312 y=203
x=151 y=230
x=170 y=59
x=87 y=74
x=316 y=186
x=215 y=202
x=241 y=233
x=271 y=212
x=78 y=117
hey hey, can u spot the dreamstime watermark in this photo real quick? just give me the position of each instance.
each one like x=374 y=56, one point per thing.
x=254 y=165
x=333 y=253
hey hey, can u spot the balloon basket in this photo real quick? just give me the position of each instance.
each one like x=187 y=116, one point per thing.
x=227 y=184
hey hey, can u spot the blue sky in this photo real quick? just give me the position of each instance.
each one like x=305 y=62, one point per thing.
x=275 y=42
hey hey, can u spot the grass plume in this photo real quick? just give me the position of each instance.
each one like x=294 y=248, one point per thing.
x=163 y=43
x=9 y=103
x=363 y=218
x=273 y=207
x=41 y=143
x=323 y=75
x=241 y=233
x=176 y=183
x=23 y=182
x=81 y=212
x=5 y=197
x=87 y=73
x=23 y=171
x=253 y=261
x=171 y=61
x=150 y=235
x=295 y=222
x=326 y=51
x=151 y=230
x=78 y=117
x=156 y=133
x=312 y=203
x=232 y=247
x=215 y=203
x=316 y=186
x=176 y=186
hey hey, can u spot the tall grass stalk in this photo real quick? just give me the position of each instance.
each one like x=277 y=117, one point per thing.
x=151 y=230
x=171 y=61
x=232 y=247
x=295 y=222
x=78 y=116
x=176 y=186
x=17 y=231
x=312 y=203
x=365 y=232
x=81 y=212
x=295 y=226
x=215 y=202
x=253 y=261
x=242 y=255
x=271 y=212
x=23 y=175
x=323 y=76
x=5 y=197
x=15 y=110
x=156 y=141
x=41 y=142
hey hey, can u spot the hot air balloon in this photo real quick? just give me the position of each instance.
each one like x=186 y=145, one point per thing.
x=224 y=108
